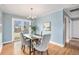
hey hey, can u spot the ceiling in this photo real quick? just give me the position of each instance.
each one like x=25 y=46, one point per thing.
x=38 y=9
x=75 y=13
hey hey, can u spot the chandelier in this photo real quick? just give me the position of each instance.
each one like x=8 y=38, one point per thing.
x=31 y=16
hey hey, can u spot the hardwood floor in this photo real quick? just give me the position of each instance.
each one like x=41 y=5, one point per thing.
x=15 y=49
x=56 y=50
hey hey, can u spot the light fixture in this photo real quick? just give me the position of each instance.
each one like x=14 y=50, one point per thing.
x=31 y=16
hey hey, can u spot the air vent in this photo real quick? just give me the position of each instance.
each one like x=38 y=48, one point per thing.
x=73 y=10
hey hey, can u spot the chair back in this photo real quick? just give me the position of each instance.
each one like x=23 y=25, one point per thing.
x=45 y=40
x=25 y=40
x=22 y=37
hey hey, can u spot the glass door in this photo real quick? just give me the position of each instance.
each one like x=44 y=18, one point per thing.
x=17 y=30
x=19 y=26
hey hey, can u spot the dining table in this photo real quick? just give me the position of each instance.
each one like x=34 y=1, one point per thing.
x=32 y=38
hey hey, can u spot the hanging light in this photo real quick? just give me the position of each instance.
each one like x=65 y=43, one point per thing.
x=31 y=16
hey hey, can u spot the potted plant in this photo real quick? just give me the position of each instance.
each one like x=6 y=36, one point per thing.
x=33 y=29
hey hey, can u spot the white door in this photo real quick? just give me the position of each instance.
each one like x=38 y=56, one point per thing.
x=75 y=28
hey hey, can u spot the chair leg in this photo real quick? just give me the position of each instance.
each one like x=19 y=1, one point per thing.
x=34 y=51
x=23 y=48
x=41 y=53
x=30 y=51
x=47 y=52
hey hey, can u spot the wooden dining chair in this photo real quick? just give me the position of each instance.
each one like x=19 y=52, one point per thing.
x=43 y=46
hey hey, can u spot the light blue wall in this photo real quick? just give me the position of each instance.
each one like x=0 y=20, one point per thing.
x=7 y=27
x=0 y=28
x=0 y=17
x=56 y=20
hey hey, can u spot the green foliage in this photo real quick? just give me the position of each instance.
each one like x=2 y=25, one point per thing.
x=33 y=28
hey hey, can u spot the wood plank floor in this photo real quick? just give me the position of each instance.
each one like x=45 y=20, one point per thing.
x=15 y=49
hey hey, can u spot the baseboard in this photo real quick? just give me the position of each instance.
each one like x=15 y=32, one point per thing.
x=56 y=44
x=7 y=42
x=75 y=37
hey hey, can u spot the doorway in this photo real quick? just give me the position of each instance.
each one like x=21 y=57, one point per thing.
x=19 y=25
x=67 y=30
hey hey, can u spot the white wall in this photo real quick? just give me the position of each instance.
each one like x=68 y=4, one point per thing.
x=70 y=29
x=75 y=28
x=67 y=28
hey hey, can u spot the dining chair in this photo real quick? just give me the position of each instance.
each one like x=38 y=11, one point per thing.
x=38 y=40
x=43 y=46
x=25 y=42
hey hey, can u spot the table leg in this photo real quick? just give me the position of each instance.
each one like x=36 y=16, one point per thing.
x=30 y=48
x=34 y=51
